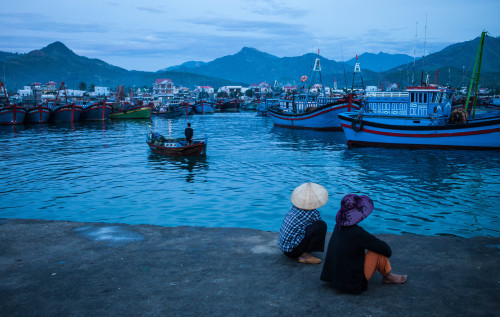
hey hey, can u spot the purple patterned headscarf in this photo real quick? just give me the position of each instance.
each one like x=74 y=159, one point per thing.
x=353 y=209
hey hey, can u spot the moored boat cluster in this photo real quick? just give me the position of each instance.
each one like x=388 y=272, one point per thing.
x=425 y=115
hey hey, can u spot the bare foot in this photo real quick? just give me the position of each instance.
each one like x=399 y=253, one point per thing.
x=309 y=260
x=394 y=279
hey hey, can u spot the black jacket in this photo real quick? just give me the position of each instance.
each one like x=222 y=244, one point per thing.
x=188 y=132
x=345 y=258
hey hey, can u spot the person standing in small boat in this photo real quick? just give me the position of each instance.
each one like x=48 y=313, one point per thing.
x=188 y=132
x=347 y=266
x=303 y=231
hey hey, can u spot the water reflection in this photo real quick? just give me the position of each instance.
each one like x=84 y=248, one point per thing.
x=12 y=129
x=104 y=171
x=192 y=165
x=299 y=139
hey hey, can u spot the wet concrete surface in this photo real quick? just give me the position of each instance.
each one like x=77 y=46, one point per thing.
x=57 y=268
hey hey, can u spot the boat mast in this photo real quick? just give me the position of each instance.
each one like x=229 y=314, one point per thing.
x=316 y=69
x=474 y=81
x=357 y=69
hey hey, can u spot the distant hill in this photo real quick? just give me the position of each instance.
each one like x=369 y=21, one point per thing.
x=184 y=66
x=381 y=61
x=455 y=64
x=58 y=63
x=6 y=56
x=253 y=66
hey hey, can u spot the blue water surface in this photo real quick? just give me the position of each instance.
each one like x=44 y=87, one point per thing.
x=105 y=172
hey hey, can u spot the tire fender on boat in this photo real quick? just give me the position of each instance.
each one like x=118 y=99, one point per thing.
x=357 y=124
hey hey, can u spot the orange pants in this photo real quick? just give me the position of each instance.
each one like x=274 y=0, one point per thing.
x=376 y=262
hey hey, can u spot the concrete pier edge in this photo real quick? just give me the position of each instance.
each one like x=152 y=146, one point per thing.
x=63 y=268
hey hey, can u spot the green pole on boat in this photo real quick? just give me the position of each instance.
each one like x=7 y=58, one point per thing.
x=474 y=81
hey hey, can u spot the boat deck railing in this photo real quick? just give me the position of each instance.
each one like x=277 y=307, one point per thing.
x=387 y=94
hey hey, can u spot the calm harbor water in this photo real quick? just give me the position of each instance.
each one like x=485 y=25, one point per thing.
x=106 y=172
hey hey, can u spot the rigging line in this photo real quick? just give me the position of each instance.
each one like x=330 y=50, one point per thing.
x=343 y=64
x=470 y=65
x=414 y=55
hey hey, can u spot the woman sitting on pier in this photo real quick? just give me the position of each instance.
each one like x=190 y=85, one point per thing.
x=303 y=231
x=347 y=266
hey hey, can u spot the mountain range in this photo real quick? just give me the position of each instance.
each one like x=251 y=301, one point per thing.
x=58 y=63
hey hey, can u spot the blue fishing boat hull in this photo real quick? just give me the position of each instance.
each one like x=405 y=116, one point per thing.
x=322 y=118
x=67 y=113
x=205 y=107
x=478 y=133
x=12 y=115
x=97 y=112
x=39 y=114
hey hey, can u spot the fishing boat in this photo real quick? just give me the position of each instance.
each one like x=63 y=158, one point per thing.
x=167 y=111
x=227 y=105
x=39 y=113
x=97 y=111
x=175 y=147
x=185 y=107
x=132 y=111
x=204 y=106
x=264 y=104
x=135 y=109
x=251 y=105
x=65 y=111
x=10 y=114
x=313 y=111
x=423 y=116
x=203 y=103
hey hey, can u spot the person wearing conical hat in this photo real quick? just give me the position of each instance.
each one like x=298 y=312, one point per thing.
x=353 y=254
x=303 y=231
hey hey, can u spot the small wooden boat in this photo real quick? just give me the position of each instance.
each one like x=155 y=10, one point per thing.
x=175 y=147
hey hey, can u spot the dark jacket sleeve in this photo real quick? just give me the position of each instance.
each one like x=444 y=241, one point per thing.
x=372 y=243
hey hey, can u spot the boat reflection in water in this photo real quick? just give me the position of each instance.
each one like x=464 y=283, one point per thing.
x=309 y=139
x=179 y=167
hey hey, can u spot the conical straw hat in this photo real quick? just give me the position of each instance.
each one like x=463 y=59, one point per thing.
x=309 y=196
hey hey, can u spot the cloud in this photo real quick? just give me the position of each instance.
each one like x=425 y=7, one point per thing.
x=275 y=8
x=252 y=28
x=155 y=10
x=46 y=25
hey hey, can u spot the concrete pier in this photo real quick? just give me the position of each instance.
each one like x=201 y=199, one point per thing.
x=58 y=268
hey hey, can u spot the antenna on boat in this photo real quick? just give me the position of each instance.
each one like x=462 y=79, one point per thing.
x=425 y=42
x=414 y=55
x=343 y=64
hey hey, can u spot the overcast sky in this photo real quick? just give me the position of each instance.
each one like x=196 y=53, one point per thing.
x=150 y=35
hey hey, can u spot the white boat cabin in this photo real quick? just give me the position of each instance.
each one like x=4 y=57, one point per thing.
x=422 y=101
